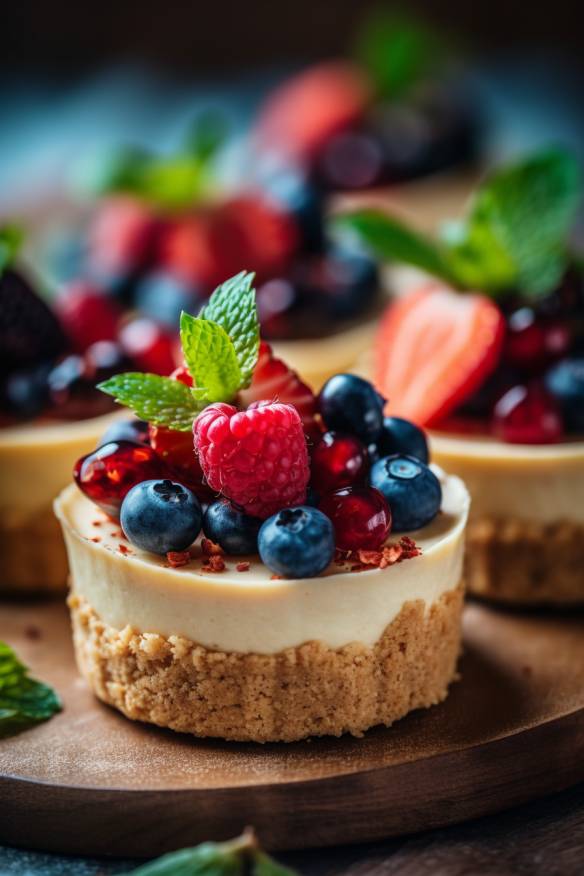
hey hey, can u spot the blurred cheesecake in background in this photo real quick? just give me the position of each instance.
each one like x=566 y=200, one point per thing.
x=484 y=346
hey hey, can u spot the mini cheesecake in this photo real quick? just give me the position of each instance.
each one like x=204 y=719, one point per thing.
x=526 y=528
x=244 y=655
x=36 y=462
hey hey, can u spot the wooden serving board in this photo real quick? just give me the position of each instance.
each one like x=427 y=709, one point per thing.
x=91 y=782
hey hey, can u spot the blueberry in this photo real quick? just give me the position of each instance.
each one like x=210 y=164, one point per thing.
x=400 y=436
x=302 y=200
x=162 y=296
x=565 y=381
x=412 y=490
x=350 y=282
x=69 y=379
x=126 y=430
x=297 y=542
x=234 y=531
x=27 y=391
x=161 y=516
x=104 y=359
x=348 y=403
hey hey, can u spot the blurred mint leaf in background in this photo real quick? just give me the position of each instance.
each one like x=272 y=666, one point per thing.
x=10 y=240
x=24 y=702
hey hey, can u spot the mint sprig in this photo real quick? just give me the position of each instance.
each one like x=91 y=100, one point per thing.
x=514 y=236
x=10 y=240
x=220 y=349
x=238 y=857
x=24 y=702
x=233 y=307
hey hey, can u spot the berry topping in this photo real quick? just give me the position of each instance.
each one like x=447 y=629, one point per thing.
x=26 y=392
x=107 y=474
x=338 y=460
x=126 y=430
x=361 y=517
x=400 y=436
x=411 y=488
x=87 y=315
x=257 y=458
x=527 y=415
x=531 y=343
x=302 y=114
x=121 y=238
x=149 y=345
x=178 y=454
x=434 y=348
x=274 y=380
x=104 y=359
x=29 y=331
x=348 y=403
x=297 y=542
x=162 y=296
x=161 y=516
x=234 y=531
x=565 y=381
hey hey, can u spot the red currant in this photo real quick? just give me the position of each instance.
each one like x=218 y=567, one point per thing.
x=360 y=515
x=527 y=415
x=338 y=460
x=533 y=343
x=148 y=345
x=177 y=451
x=107 y=474
x=87 y=315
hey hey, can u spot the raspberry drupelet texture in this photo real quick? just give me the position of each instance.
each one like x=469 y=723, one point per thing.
x=257 y=457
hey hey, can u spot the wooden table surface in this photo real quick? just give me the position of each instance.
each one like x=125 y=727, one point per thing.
x=545 y=838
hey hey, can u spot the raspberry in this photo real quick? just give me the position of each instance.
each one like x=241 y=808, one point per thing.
x=257 y=458
x=274 y=380
x=87 y=315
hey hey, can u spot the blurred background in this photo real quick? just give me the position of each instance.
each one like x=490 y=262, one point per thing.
x=75 y=77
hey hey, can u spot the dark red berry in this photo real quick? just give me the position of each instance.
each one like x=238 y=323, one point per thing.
x=29 y=331
x=149 y=345
x=104 y=359
x=177 y=451
x=360 y=515
x=338 y=460
x=527 y=415
x=532 y=342
x=87 y=315
x=107 y=474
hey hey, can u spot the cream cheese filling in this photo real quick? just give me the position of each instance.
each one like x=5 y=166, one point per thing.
x=536 y=483
x=250 y=612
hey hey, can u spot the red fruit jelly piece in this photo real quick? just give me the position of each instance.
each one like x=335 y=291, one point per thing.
x=177 y=451
x=338 y=460
x=107 y=474
x=361 y=517
x=527 y=415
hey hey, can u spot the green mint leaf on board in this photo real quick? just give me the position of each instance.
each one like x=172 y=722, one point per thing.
x=10 y=240
x=398 y=52
x=233 y=307
x=527 y=210
x=24 y=702
x=390 y=239
x=232 y=858
x=210 y=356
x=160 y=400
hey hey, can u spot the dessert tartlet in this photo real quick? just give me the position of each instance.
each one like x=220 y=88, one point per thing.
x=503 y=385
x=324 y=593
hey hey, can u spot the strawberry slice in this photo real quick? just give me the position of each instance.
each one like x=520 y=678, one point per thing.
x=434 y=348
x=301 y=115
x=273 y=380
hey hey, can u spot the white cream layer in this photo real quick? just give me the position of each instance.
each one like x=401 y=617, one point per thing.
x=248 y=611
x=536 y=483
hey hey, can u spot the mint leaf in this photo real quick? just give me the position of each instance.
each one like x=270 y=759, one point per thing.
x=210 y=357
x=160 y=400
x=232 y=305
x=264 y=865
x=10 y=240
x=398 y=52
x=24 y=702
x=526 y=211
x=389 y=239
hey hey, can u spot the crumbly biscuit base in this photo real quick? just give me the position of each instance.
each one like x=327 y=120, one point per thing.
x=33 y=556
x=310 y=690
x=522 y=563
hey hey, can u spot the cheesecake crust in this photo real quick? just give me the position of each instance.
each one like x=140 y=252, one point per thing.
x=524 y=563
x=33 y=557
x=310 y=690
